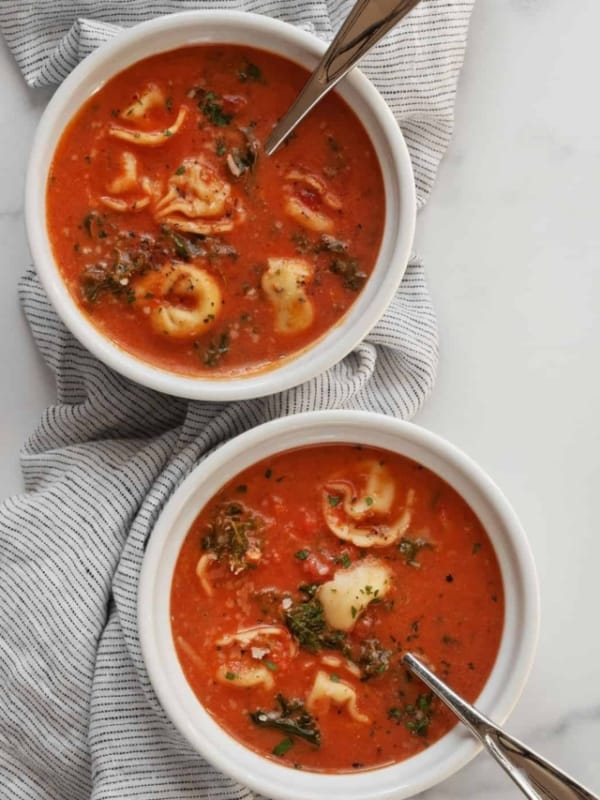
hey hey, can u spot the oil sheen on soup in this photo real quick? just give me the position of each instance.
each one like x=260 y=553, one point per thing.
x=188 y=247
x=304 y=580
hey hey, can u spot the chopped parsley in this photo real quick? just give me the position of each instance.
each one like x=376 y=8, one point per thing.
x=212 y=109
x=249 y=72
x=373 y=659
x=232 y=536
x=282 y=748
x=410 y=549
x=416 y=716
x=301 y=555
x=344 y=560
x=306 y=621
x=333 y=500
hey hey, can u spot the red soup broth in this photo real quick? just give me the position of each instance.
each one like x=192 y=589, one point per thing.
x=302 y=582
x=182 y=242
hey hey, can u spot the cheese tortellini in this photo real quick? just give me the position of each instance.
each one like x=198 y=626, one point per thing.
x=149 y=138
x=325 y=692
x=126 y=181
x=353 y=517
x=152 y=96
x=189 y=299
x=246 y=653
x=198 y=201
x=284 y=284
x=301 y=210
x=347 y=595
x=243 y=676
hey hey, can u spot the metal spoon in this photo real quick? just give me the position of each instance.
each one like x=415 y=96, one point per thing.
x=536 y=777
x=364 y=26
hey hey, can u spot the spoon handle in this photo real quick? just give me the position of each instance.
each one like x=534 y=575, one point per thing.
x=366 y=23
x=537 y=778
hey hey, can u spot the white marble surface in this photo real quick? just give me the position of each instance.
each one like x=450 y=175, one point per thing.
x=512 y=245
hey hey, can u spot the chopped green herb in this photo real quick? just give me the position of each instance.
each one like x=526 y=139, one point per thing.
x=220 y=147
x=333 y=500
x=232 y=535
x=185 y=247
x=269 y=664
x=301 y=555
x=306 y=621
x=368 y=501
x=329 y=244
x=230 y=676
x=169 y=103
x=180 y=170
x=249 y=72
x=373 y=659
x=410 y=549
x=476 y=548
x=335 y=678
x=216 y=349
x=344 y=560
x=282 y=748
x=348 y=270
x=290 y=718
x=416 y=717
x=213 y=110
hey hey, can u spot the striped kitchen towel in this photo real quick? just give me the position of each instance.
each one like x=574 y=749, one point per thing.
x=78 y=718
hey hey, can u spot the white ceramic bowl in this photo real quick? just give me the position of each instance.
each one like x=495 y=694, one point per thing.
x=168 y=33
x=517 y=646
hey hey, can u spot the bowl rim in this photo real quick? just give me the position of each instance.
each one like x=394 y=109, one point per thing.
x=385 y=135
x=496 y=700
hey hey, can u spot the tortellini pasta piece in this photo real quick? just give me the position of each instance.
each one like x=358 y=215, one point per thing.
x=326 y=692
x=337 y=662
x=189 y=299
x=346 y=596
x=150 y=97
x=149 y=138
x=245 y=677
x=202 y=567
x=284 y=284
x=127 y=180
x=306 y=214
x=257 y=637
x=352 y=517
x=376 y=497
x=197 y=200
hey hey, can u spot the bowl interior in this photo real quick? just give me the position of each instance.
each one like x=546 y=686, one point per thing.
x=521 y=604
x=167 y=33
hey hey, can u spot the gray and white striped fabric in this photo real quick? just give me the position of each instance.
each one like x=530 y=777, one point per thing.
x=78 y=718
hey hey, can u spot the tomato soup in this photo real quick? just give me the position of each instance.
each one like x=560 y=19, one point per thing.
x=304 y=580
x=187 y=246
